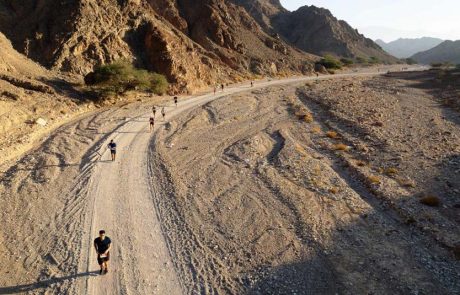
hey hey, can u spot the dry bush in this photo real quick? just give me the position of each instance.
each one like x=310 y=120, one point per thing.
x=332 y=134
x=406 y=183
x=391 y=171
x=301 y=150
x=340 y=147
x=361 y=163
x=316 y=129
x=374 y=179
x=334 y=190
x=430 y=200
x=308 y=118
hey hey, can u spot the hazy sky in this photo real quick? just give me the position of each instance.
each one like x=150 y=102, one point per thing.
x=392 y=19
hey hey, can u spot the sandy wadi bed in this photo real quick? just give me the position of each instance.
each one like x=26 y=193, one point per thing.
x=313 y=189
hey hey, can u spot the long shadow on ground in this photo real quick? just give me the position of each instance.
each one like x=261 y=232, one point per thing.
x=44 y=284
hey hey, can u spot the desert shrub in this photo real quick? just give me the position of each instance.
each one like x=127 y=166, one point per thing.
x=391 y=171
x=308 y=118
x=406 y=183
x=333 y=190
x=346 y=61
x=122 y=76
x=330 y=62
x=332 y=134
x=159 y=84
x=340 y=147
x=443 y=65
x=436 y=64
x=361 y=163
x=430 y=200
x=302 y=113
x=373 y=179
x=361 y=60
x=316 y=129
x=410 y=61
x=374 y=60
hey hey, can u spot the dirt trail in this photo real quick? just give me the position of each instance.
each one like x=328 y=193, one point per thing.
x=67 y=201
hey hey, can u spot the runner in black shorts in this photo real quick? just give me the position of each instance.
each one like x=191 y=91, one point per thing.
x=102 y=244
x=175 y=100
x=154 y=111
x=113 y=149
x=152 y=123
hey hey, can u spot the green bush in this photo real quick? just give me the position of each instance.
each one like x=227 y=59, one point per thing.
x=121 y=76
x=361 y=60
x=410 y=61
x=346 y=61
x=374 y=60
x=329 y=62
x=159 y=84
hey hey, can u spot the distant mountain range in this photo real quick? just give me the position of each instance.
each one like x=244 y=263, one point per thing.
x=447 y=51
x=404 y=48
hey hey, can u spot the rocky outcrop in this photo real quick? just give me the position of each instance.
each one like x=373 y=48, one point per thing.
x=194 y=43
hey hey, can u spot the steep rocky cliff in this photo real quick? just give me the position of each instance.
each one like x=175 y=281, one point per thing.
x=194 y=43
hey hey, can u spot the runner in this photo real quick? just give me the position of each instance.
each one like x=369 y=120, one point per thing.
x=252 y=84
x=222 y=87
x=175 y=100
x=163 y=113
x=102 y=244
x=215 y=89
x=154 y=110
x=113 y=149
x=152 y=123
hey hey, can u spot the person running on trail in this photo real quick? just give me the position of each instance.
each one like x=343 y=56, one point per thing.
x=215 y=89
x=102 y=244
x=113 y=149
x=163 y=113
x=175 y=100
x=154 y=110
x=222 y=87
x=152 y=123
x=252 y=84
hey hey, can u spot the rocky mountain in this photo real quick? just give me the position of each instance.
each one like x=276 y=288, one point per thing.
x=194 y=43
x=447 y=51
x=404 y=48
x=313 y=30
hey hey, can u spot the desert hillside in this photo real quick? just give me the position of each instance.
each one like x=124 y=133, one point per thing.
x=447 y=51
x=29 y=92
